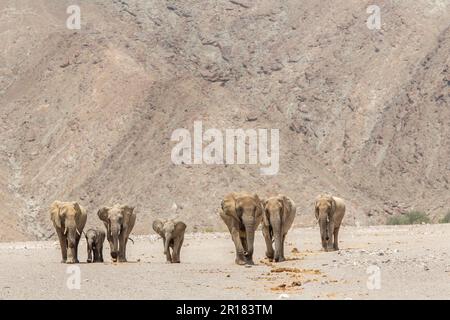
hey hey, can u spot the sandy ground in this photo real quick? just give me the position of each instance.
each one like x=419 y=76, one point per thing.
x=413 y=263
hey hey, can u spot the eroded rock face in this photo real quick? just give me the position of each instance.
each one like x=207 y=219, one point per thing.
x=88 y=114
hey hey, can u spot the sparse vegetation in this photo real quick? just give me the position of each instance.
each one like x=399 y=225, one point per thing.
x=208 y=229
x=412 y=217
x=446 y=218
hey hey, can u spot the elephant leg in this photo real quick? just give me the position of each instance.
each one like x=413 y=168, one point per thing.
x=178 y=242
x=336 y=234
x=268 y=240
x=100 y=252
x=123 y=247
x=89 y=253
x=330 y=233
x=77 y=241
x=240 y=251
x=172 y=250
x=94 y=253
x=63 y=245
x=282 y=257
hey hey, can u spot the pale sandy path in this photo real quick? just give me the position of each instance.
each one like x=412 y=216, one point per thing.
x=414 y=262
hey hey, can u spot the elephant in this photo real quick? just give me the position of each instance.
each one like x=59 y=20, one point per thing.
x=172 y=233
x=94 y=240
x=278 y=216
x=329 y=211
x=69 y=219
x=119 y=221
x=242 y=213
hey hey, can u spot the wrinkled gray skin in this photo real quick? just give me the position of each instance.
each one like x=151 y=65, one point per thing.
x=69 y=219
x=172 y=233
x=278 y=216
x=329 y=212
x=242 y=213
x=94 y=240
x=119 y=221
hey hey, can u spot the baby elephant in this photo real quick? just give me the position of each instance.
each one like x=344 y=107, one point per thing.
x=172 y=232
x=95 y=239
x=278 y=216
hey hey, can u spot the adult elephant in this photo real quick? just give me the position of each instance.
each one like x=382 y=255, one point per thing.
x=119 y=221
x=172 y=233
x=242 y=213
x=69 y=219
x=278 y=216
x=329 y=211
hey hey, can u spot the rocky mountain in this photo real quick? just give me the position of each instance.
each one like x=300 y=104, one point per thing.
x=88 y=114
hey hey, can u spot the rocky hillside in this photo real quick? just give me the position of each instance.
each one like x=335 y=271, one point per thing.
x=88 y=114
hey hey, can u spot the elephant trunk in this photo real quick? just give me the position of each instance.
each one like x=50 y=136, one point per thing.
x=90 y=248
x=167 y=242
x=115 y=236
x=323 y=223
x=70 y=232
x=250 y=236
x=277 y=233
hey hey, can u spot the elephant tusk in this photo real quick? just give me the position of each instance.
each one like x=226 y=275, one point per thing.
x=79 y=233
x=65 y=230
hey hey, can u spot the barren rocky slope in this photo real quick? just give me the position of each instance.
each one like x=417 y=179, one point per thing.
x=88 y=115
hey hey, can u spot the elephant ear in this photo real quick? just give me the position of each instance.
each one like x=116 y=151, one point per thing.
x=333 y=206
x=157 y=226
x=266 y=216
x=180 y=227
x=259 y=206
x=316 y=208
x=54 y=213
x=128 y=212
x=229 y=205
x=288 y=206
x=103 y=213
x=79 y=212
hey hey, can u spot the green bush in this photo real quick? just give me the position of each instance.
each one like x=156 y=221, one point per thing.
x=446 y=218
x=412 y=217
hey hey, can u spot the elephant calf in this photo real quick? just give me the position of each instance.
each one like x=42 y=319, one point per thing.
x=94 y=240
x=278 y=216
x=329 y=212
x=172 y=233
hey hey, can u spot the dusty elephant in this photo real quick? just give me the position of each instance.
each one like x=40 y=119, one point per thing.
x=95 y=239
x=242 y=213
x=329 y=211
x=278 y=216
x=119 y=221
x=69 y=219
x=172 y=233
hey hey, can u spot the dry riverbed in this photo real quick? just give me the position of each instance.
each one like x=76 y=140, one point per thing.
x=383 y=262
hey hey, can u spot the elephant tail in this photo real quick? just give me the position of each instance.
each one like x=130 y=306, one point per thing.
x=131 y=240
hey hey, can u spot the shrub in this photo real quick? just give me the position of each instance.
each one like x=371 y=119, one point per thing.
x=446 y=218
x=412 y=217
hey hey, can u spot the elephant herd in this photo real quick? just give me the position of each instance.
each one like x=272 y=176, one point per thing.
x=242 y=213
